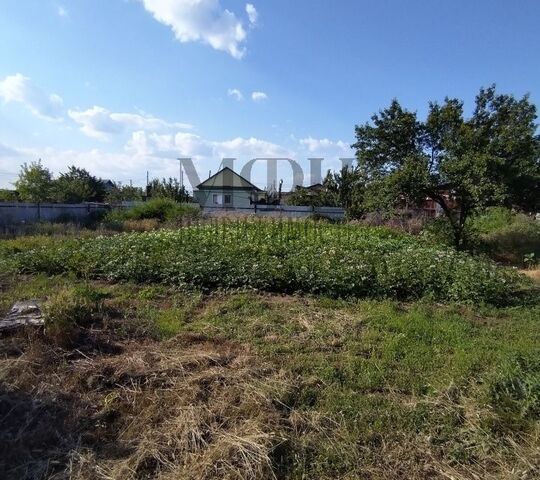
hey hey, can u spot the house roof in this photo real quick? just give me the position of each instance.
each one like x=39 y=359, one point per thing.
x=227 y=179
x=314 y=188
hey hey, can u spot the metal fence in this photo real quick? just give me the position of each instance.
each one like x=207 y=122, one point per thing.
x=28 y=213
x=284 y=211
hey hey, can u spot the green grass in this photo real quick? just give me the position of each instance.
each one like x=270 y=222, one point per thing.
x=373 y=385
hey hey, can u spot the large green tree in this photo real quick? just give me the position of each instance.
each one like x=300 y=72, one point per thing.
x=34 y=183
x=124 y=193
x=463 y=164
x=168 y=188
x=78 y=185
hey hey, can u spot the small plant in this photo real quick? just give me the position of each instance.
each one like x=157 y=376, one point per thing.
x=529 y=260
x=69 y=309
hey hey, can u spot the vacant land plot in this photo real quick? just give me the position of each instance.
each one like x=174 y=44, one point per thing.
x=136 y=376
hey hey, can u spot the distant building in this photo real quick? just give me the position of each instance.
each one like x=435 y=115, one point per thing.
x=108 y=185
x=309 y=191
x=227 y=189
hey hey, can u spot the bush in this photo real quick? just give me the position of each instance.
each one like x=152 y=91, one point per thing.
x=516 y=243
x=285 y=257
x=162 y=209
x=505 y=236
x=69 y=309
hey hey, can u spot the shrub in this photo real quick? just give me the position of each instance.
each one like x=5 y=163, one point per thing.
x=69 y=309
x=516 y=243
x=505 y=236
x=161 y=209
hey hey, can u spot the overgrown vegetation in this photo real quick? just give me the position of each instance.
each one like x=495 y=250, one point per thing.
x=159 y=209
x=286 y=257
x=257 y=386
x=69 y=309
x=462 y=165
x=507 y=237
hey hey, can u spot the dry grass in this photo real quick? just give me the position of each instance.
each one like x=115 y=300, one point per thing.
x=189 y=409
x=258 y=386
x=534 y=274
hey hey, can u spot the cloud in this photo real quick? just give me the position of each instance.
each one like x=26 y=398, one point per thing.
x=20 y=89
x=7 y=152
x=157 y=152
x=253 y=15
x=191 y=145
x=61 y=11
x=203 y=21
x=236 y=94
x=325 y=147
x=98 y=122
x=258 y=96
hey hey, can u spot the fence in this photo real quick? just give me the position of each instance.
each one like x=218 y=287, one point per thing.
x=27 y=213
x=286 y=211
x=16 y=214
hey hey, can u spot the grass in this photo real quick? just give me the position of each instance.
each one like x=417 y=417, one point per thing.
x=508 y=237
x=252 y=385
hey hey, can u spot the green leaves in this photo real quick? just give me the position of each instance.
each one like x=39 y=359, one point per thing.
x=492 y=158
x=285 y=257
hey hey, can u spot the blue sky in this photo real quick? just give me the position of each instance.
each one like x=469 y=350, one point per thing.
x=125 y=86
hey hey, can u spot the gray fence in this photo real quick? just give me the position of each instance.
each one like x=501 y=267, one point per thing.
x=12 y=214
x=284 y=211
x=28 y=213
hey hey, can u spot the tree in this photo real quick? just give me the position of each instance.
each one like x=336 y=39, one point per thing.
x=8 y=195
x=346 y=189
x=124 y=193
x=78 y=185
x=464 y=165
x=34 y=183
x=168 y=188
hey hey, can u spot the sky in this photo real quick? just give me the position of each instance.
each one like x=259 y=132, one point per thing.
x=122 y=87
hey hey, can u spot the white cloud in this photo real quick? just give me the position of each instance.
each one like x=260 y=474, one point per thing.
x=258 y=96
x=236 y=94
x=61 y=11
x=253 y=15
x=20 y=89
x=190 y=145
x=203 y=21
x=157 y=152
x=325 y=147
x=98 y=122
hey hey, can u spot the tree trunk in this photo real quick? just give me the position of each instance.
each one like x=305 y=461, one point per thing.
x=457 y=224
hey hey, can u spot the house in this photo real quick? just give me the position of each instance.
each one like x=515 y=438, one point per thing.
x=108 y=185
x=306 y=192
x=227 y=189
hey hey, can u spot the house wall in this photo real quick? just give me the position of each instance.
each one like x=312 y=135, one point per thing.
x=239 y=198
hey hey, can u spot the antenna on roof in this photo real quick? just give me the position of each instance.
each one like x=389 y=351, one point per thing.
x=209 y=173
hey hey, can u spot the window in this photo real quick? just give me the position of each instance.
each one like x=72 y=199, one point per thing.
x=216 y=199
x=228 y=199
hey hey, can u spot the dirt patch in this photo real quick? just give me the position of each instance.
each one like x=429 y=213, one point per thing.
x=189 y=408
